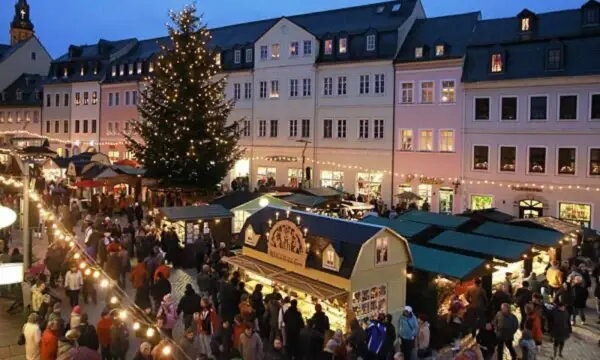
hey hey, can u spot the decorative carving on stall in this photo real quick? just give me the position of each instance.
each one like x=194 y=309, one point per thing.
x=286 y=242
x=250 y=237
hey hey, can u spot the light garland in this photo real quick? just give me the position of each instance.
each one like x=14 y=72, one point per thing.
x=62 y=141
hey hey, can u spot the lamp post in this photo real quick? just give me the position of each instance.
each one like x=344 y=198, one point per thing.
x=305 y=142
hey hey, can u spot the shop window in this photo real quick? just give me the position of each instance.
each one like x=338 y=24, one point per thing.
x=406 y=140
x=369 y=185
x=381 y=251
x=481 y=157
x=113 y=155
x=537 y=160
x=567 y=107
x=509 y=108
x=538 y=108
x=566 y=161
x=266 y=176
x=294 y=177
x=334 y=179
x=508 y=158
x=446 y=200
x=329 y=259
x=594 y=162
x=580 y=214
x=424 y=191
x=530 y=208
x=404 y=188
x=368 y=303
x=481 y=202
x=482 y=108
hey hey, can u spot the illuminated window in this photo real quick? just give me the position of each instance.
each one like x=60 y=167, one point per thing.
x=497 y=65
x=94 y=97
x=10 y=117
x=139 y=67
x=27 y=116
x=481 y=157
x=508 y=158
x=448 y=93
x=19 y=118
x=481 y=202
x=525 y=24
x=334 y=179
x=86 y=97
x=419 y=52
x=66 y=72
x=130 y=69
x=82 y=70
x=329 y=259
x=406 y=140
x=381 y=251
x=294 y=177
x=151 y=64
x=407 y=93
x=328 y=47
x=427 y=92
x=580 y=214
x=537 y=160
x=446 y=140
x=567 y=158
x=113 y=155
x=439 y=50
x=121 y=70
x=275 y=51
x=114 y=70
x=343 y=46
x=294 y=48
x=77 y=99
x=426 y=140
x=594 y=166
x=274 y=89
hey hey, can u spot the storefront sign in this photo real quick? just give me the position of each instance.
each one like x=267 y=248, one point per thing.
x=287 y=243
x=250 y=237
x=526 y=188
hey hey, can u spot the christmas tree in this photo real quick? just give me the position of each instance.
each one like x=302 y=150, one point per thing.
x=183 y=138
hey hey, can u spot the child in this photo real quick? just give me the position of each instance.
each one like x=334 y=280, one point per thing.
x=528 y=346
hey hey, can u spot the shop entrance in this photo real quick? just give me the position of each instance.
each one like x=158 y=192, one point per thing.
x=530 y=209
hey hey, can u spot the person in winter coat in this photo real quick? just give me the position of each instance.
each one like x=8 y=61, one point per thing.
x=188 y=305
x=87 y=334
x=320 y=320
x=73 y=284
x=565 y=296
x=390 y=337
x=533 y=323
x=407 y=331
x=187 y=346
x=75 y=319
x=246 y=309
x=423 y=337
x=580 y=294
x=49 y=344
x=238 y=330
x=119 y=339
x=144 y=353
x=221 y=343
x=310 y=341
x=160 y=288
x=554 y=276
x=376 y=332
x=477 y=305
x=162 y=269
x=37 y=295
x=276 y=352
x=208 y=324
x=125 y=266
x=272 y=312
x=294 y=323
x=523 y=297
x=103 y=332
x=139 y=213
x=561 y=328
x=167 y=313
x=358 y=338
x=528 y=347
x=506 y=325
x=257 y=303
x=487 y=340
x=66 y=345
x=203 y=281
x=500 y=297
x=33 y=337
x=251 y=346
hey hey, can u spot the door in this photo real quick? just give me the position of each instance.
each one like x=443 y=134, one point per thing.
x=529 y=209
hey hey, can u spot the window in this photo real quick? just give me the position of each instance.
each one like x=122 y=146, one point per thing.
x=116 y=127
x=247 y=91
x=396 y=7
x=595 y=107
x=341 y=128
x=594 y=162
x=379 y=83
x=262 y=128
x=1 y=117
x=274 y=89
x=77 y=129
x=439 y=50
x=264 y=52
x=114 y=70
x=18 y=116
x=133 y=97
x=77 y=99
x=378 y=129
x=275 y=51
x=567 y=161
x=113 y=155
x=117 y=99
x=110 y=99
x=364 y=83
x=9 y=117
x=66 y=100
x=86 y=98
x=334 y=179
x=424 y=191
x=127 y=99
x=363 y=129
x=481 y=202
x=94 y=127
x=48 y=100
x=47 y=127
x=27 y=116
x=305 y=128
x=342 y=45
x=497 y=65
x=508 y=158
x=481 y=157
x=110 y=128
x=427 y=92
x=341 y=85
x=446 y=201
x=306 y=87
x=247 y=128
x=591 y=16
x=329 y=260
x=327 y=86
x=371 y=42
x=66 y=126
x=307 y=47
x=537 y=160
x=274 y=128
x=130 y=69
x=293 y=87
x=139 y=67
x=567 y=107
x=248 y=56
x=482 y=108
x=121 y=70
x=538 y=108
x=448 y=92
x=293 y=128
x=554 y=60
x=580 y=214
x=407 y=93
x=263 y=90
x=294 y=48
x=327 y=128
x=381 y=251
x=406 y=140
x=237 y=56
x=525 y=24
x=85 y=126
x=328 y=47
x=237 y=91
x=418 y=52
x=57 y=100
x=447 y=140
x=426 y=140
x=294 y=177
x=508 y=110
x=33 y=55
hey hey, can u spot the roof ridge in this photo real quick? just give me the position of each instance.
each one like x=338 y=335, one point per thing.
x=470 y=13
x=349 y=8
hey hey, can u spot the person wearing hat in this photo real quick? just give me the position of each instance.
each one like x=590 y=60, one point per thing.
x=75 y=319
x=67 y=343
x=407 y=331
x=188 y=348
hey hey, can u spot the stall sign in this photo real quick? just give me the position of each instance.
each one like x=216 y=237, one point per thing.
x=287 y=243
x=250 y=237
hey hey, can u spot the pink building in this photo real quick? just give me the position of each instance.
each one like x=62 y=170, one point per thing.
x=428 y=111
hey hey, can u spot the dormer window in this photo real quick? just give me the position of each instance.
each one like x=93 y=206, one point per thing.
x=371 y=40
x=114 y=70
x=19 y=95
x=497 y=63
x=591 y=16
x=237 y=56
x=419 y=52
x=139 y=67
x=554 y=59
x=343 y=45
x=525 y=24
x=379 y=9
x=439 y=50
x=381 y=251
x=82 y=70
x=65 y=72
x=248 y=56
x=95 y=69
x=328 y=47
x=121 y=70
x=130 y=69
x=396 y=7
x=151 y=65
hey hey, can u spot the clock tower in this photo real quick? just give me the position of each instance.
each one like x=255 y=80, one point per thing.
x=21 y=28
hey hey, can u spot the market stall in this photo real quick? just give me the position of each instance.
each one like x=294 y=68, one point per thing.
x=353 y=270
x=194 y=222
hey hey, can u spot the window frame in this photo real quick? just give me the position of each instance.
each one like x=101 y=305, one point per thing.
x=557 y=157
x=366 y=90
x=274 y=85
x=375 y=129
x=248 y=90
x=302 y=127
x=359 y=128
x=273 y=134
x=371 y=39
x=545 y=173
x=412 y=91
x=324 y=133
x=502 y=62
x=293 y=125
x=473 y=168
x=421 y=92
x=499 y=158
x=345 y=85
x=481 y=195
x=442 y=52
x=249 y=55
x=558 y=106
x=266 y=52
x=500 y=117
x=344 y=41
x=475 y=98
x=400 y=140
x=306 y=87
x=261 y=129
x=442 y=92
x=419 y=52
x=260 y=89
x=237 y=91
x=420 y=130
x=590 y=105
x=338 y=122
x=275 y=55
x=559 y=65
x=529 y=97
x=296 y=48
x=237 y=56
x=440 y=140
x=294 y=94
x=330 y=78
x=309 y=47
x=381 y=83
x=589 y=162
x=328 y=47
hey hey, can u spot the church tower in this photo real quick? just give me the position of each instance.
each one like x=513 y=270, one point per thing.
x=21 y=28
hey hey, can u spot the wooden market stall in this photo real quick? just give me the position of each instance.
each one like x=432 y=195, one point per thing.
x=353 y=270
x=195 y=222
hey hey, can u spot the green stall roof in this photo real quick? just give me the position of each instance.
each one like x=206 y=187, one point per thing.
x=255 y=204
x=445 y=221
x=484 y=245
x=407 y=229
x=520 y=233
x=305 y=200
x=444 y=263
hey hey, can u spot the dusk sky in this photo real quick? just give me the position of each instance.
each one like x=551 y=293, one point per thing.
x=59 y=23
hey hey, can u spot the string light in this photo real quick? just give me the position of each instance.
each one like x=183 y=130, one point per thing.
x=114 y=300
x=150 y=332
x=136 y=326
x=104 y=283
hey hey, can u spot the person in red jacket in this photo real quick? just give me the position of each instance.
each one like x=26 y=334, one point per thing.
x=164 y=270
x=533 y=323
x=49 y=346
x=103 y=332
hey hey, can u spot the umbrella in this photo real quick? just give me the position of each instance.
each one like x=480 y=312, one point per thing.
x=87 y=183
x=127 y=162
x=409 y=195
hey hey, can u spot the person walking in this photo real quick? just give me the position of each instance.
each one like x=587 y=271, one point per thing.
x=188 y=305
x=487 y=340
x=103 y=331
x=167 y=315
x=119 y=339
x=73 y=284
x=187 y=346
x=554 y=277
x=407 y=331
x=294 y=323
x=203 y=281
x=49 y=344
x=33 y=337
x=565 y=296
x=139 y=278
x=277 y=352
x=423 y=338
x=221 y=343
x=310 y=342
x=523 y=297
x=528 y=346
x=561 y=329
x=580 y=294
x=477 y=305
x=533 y=323
x=506 y=325
x=144 y=353
x=376 y=332
x=208 y=324
x=160 y=289
x=87 y=334
x=251 y=346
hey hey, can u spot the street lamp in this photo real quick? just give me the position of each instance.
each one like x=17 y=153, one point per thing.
x=305 y=142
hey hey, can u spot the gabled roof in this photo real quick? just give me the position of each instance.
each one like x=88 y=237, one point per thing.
x=481 y=245
x=441 y=220
x=235 y=198
x=454 y=31
x=408 y=229
x=548 y=222
x=522 y=234
x=444 y=263
x=226 y=37
x=202 y=212
x=305 y=200
x=6 y=51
